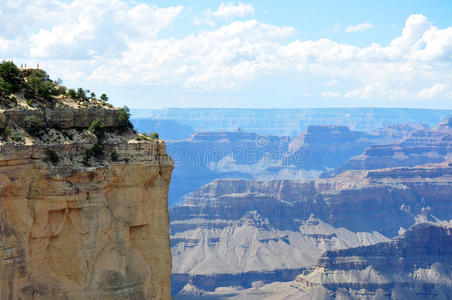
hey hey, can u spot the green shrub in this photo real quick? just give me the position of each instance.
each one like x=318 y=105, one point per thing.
x=52 y=157
x=81 y=94
x=88 y=154
x=71 y=93
x=124 y=118
x=16 y=137
x=32 y=125
x=97 y=128
x=6 y=88
x=114 y=156
x=10 y=81
x=29 y=102
x=40 y=85
x=92 y=96
x=104 y=97
x=153 y=135
x=86 y=157
x=5 y=132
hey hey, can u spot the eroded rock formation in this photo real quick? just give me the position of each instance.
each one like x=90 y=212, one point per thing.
x=415 y=265
x=82 y=216
x=235 y=226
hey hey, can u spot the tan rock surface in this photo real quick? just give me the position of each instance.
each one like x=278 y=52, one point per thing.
x=83 y=212
x=93 y=233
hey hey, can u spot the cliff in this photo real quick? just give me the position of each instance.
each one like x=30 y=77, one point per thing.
x=419 y=147
x=83 y=210
x=414 y=265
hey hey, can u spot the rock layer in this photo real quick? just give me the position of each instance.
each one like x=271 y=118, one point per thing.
x=235 y=226
x=415 y=265
x=90 y=223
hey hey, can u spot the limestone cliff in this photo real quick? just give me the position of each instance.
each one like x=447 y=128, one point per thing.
x=83 y=214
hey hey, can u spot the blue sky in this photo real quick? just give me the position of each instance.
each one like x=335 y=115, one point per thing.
x=199 y=53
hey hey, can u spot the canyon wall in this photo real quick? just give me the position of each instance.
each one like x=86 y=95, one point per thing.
x=243 y=228
x=415 y=265
x=83 y=214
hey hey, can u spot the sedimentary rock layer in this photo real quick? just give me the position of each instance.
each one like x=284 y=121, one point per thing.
x=83 y=213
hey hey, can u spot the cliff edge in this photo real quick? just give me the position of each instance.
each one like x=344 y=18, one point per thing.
x=83 y=198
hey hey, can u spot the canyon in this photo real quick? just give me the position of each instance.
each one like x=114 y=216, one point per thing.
x=258 y=222
x=316 y=152
x=242 y=227
x=414 y=265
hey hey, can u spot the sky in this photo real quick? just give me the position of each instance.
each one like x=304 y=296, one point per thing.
x=257 y=54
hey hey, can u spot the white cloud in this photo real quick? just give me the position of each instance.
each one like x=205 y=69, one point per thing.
x=359 y=27
x=230 y=9
x=438 y=90
x=112 y=42
x=82 y=28
x=210 y=60
x=331 y=94
x=242 y=51
x=224 y=11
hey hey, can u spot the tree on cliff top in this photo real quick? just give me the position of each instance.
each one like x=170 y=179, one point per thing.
x=124 y=118
x=39 y=85
x=9 y=77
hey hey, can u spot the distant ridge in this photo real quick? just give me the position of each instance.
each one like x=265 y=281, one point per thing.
x=290 y=121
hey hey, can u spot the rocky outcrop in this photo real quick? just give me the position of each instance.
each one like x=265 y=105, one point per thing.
x=62 y=117
x=235 y=226
x=415 y=265
x=420 y=147
x=328 y=147
x=82 y=215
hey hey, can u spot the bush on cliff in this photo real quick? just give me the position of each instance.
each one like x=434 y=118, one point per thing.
x=52 y=157
x=124 y=118
x=81 y=94
x=97 y=128
x=104 y=97
x=38 y=84
x=10 y=81
x=5 y=133
x=154 y=135
x=71 y=93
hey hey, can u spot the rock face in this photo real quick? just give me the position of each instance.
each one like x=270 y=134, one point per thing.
x=328 y=147
x=207 y=156
x=415 y=265
x=420 y=147
x=235 y=226
x=82 y=216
